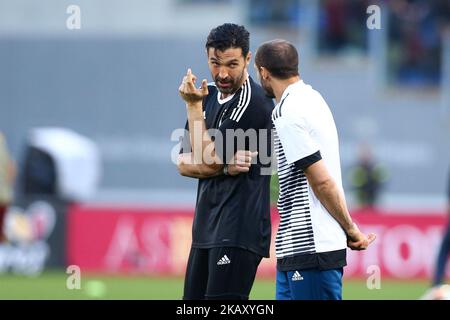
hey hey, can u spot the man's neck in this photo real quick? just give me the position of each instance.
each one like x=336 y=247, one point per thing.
x=279 y=86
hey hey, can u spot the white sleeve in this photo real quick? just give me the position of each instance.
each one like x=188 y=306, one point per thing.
x=295 y=137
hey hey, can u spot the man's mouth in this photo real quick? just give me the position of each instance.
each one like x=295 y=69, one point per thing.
x=225 y=84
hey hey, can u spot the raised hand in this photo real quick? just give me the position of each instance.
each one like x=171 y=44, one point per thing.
x=189 y=92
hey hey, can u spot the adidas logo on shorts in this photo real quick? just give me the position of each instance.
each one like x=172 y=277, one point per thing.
x=223 y=260
x=297 y=276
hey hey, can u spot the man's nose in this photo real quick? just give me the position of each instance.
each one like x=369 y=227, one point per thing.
x=223 y=73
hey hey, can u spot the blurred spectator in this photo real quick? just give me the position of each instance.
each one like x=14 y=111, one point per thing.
x=415 y=40
x=275 y=13
x=441 y=263
x=367 y=178
x=340 y=26
x=7 y=176
x=203 y=1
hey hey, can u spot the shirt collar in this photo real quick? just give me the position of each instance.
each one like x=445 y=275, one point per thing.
x=222 y=101
x=291 y=88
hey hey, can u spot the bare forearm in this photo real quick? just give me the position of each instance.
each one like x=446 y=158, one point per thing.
x=203 y=149
x=187 y=168
x=333 y=200
x=195 y=171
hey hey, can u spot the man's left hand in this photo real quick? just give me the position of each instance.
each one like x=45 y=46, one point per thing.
x=356 y=240
x=241 y=162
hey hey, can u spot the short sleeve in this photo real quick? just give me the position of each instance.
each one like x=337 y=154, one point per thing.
x=298 y=145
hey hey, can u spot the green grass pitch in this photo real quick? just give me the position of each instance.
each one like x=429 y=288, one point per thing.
x=52 y=285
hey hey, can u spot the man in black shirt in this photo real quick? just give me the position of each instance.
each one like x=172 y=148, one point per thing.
x=227 y=147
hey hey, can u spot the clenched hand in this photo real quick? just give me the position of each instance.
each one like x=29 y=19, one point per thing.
x=356 y=240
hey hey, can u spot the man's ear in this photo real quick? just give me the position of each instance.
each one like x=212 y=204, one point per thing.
x=248 y=58
x=264 y=73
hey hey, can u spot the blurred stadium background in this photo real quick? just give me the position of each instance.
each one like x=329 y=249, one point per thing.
x=90 y=116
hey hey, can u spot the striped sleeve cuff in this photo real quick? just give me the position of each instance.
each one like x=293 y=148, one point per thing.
x=305 y=162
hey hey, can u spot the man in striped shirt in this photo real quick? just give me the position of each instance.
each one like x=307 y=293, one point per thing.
x=315 y=226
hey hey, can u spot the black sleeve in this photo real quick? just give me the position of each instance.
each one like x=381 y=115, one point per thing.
x=186 y=141
x=304 y=163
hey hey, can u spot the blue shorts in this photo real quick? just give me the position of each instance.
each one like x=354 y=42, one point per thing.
x=309 y=284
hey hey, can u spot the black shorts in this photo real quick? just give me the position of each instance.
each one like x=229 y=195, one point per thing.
x=220 y=273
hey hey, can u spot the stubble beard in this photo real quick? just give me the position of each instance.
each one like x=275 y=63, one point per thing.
x=235 y=84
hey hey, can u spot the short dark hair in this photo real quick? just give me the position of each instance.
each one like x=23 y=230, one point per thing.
x=229 y=35
x=279 y=57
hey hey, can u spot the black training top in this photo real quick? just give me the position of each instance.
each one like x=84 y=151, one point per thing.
x=234 y=211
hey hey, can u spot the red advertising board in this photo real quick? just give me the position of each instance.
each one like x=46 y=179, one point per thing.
x=406 y=244
x=157 y=241
x=129 y=239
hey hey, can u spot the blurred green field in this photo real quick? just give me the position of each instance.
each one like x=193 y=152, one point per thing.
x=52 y=285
